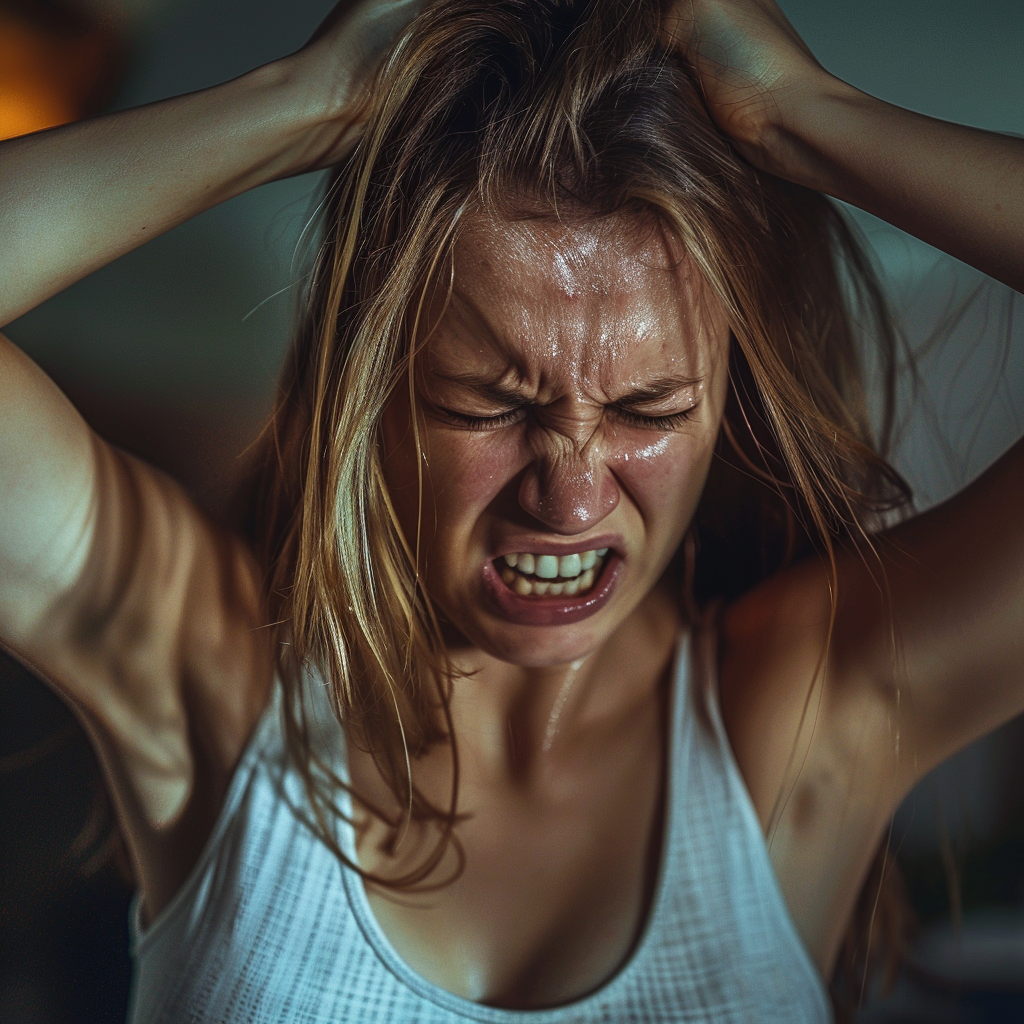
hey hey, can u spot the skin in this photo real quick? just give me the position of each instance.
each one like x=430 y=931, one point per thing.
x=574 y=318
x=575 y=322
x=145 y=616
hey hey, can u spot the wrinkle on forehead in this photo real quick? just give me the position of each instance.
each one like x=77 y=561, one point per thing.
x=571 y=251
x=588 y=296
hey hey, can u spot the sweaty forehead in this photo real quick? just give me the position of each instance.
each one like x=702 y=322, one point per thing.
x=569 y=261
x=605 y=293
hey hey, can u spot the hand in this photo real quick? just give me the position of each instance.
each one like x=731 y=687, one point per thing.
x=752 y=66
x=337 y=67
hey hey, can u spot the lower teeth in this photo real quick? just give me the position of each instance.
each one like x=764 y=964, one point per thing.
x=526 y=587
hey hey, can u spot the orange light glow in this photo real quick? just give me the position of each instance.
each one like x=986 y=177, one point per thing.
x=48 y=79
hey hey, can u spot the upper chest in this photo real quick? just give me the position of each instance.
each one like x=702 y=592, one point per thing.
x=549 y=885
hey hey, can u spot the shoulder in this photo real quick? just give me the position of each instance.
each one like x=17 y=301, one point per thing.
x=116 y=589
x=793 y=689
x=816 y=741
x=154 y=640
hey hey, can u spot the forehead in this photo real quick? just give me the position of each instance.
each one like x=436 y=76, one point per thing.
x=587 y=298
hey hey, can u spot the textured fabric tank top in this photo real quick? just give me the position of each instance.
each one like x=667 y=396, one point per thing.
x=270 y=928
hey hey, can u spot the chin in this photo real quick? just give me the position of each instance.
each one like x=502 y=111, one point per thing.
x=542 y=646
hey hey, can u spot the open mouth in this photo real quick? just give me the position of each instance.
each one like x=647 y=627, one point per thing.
x=533 y=589
x=546 y=576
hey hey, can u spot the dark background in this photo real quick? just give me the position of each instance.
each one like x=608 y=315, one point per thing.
x=172 y=352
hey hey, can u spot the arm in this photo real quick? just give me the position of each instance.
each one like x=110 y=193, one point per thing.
x=75 y=198
x=947 y=640
x=113 y=586
x=960 y=189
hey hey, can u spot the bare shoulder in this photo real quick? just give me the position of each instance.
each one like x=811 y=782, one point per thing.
x=156 y=645
x=771 y=643
x=796 y=668
x=816 y=740
x=141 y=612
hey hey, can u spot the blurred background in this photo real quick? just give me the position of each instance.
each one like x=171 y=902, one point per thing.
x=172 y=353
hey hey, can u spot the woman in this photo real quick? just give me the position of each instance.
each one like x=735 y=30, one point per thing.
x=571 y=252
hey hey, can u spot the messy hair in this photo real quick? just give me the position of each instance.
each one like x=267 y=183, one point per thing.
x=495 y=106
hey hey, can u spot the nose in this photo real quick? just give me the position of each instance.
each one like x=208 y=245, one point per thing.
x=567 y=487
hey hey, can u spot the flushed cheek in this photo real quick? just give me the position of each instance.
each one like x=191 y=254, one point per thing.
x=467 y=474
x=664 y=479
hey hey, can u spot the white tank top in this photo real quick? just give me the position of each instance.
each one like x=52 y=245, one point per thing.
x=270 y=928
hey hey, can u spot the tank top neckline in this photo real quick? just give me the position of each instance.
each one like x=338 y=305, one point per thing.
x=376 y=938
x=692 y=703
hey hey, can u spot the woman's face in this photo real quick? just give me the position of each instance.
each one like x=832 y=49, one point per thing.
x=569 y=399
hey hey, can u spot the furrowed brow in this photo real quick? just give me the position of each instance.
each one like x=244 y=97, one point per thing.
x=497 y=388
x=658 y=389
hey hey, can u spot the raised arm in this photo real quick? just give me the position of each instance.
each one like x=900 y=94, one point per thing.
x=948 y=636
x=960 y=189
x=113 y=586
x=73 y=199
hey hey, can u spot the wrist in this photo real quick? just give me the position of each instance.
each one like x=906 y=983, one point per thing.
x=312 y=116
x=812 y=124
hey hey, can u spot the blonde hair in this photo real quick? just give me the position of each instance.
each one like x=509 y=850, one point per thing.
x=497 y=105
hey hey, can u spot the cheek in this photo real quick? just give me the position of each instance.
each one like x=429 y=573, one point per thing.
x=470 y=473
x=463 y=473
x=664 y=478
x=467 y=470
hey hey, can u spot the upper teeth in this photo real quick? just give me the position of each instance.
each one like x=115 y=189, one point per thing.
x=549 y=567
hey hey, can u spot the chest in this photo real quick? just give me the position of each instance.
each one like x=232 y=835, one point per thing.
x=549 y=887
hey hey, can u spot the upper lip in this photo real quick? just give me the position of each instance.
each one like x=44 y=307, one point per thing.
x=524 y=545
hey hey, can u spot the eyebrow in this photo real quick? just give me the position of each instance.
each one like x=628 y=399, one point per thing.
x=489 y=385
x=498 y=389
x=657 y=389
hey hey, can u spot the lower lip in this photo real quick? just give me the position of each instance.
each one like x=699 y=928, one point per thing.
x=550 y=611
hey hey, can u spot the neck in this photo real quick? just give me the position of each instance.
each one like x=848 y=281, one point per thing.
x=517 y=723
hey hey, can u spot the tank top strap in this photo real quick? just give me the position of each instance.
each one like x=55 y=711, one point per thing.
x=719 y=844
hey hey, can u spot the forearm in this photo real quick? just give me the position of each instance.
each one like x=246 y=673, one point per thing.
x=960 y=189
x=75 y=198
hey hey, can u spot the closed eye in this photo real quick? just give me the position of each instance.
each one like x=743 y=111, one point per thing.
x=502 y=419
x=672 y=422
